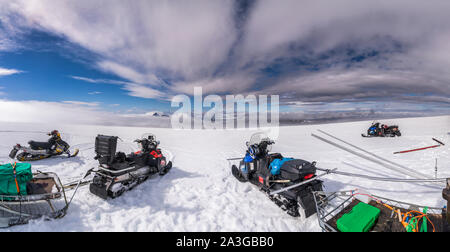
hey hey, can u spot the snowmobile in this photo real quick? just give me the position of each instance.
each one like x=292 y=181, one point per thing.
x=55 y=146
x=118 y=172
x=288 y=182
x=382 y=131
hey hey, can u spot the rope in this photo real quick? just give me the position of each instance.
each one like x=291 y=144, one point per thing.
x=383 y=179
x=413 y=224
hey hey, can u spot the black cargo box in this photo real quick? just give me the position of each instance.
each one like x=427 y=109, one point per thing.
x=297 y=169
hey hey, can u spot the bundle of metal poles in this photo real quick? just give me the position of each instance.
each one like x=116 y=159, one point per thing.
x=374 y=158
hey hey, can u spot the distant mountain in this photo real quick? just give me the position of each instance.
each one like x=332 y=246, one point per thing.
x=157 y=114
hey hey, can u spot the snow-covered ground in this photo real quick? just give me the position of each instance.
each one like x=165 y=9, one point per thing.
x=200 y=194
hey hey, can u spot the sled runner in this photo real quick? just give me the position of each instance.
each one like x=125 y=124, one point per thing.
x=353 y=211
x=288 y=182
x=55 y=146
x=118 y=172
x=25 y=196
x=377 y=130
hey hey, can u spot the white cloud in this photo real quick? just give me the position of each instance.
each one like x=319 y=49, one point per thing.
x=143 y=91
x=104 y=81
x=81 y=103
x=6 y=44
x=198 y=43
x=222 y=85
x=273 y=25
x=129 y=73
x=69 y=113
x=5 y=71
x=134 y=89
x=181 y=38
x=360 y=84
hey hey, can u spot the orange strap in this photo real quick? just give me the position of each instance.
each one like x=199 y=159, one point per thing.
x=15 y=178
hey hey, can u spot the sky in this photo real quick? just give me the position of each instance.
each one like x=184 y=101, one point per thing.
x=324 y=58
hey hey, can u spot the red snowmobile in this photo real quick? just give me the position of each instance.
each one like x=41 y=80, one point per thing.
x=118 y=172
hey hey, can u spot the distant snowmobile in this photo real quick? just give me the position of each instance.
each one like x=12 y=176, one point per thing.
x=382 y=131
x=271 y=172
x=118 y=173
x=55 y=146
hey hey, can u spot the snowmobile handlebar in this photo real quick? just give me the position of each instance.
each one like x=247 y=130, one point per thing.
x=143 y=140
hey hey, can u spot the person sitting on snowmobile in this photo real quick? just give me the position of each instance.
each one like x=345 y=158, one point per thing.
x=55 y=137
x=39 y=150
x=50 y=145
x=374 y=130
x=254 y=151
x=382 y=131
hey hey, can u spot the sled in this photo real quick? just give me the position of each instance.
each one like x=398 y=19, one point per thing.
x=45 y=198
x=335 y=206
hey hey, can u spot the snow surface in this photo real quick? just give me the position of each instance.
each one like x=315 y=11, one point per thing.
x=200 y=194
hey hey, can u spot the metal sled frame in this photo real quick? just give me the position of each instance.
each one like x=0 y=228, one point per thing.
x=329 y=204
x=16 y=210
x=115 y=172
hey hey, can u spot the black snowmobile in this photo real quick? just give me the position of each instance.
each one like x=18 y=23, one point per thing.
x=288 y=182
x=118 y=173
x=55 y=146
x=382 y=131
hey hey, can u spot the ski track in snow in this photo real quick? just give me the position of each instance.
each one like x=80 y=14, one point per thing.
x=200 y=194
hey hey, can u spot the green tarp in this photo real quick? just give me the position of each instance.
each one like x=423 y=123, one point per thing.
x=7 y=181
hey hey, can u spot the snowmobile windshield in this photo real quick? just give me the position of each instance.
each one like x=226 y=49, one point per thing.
x=258 y=138
x=148 y=136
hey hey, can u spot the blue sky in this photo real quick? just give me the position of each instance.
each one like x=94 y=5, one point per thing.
x=47 y=74
x=322 y=57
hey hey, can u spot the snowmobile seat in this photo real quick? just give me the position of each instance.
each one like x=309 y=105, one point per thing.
x=40 y=145
x=105 y=148
x=140 y=159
